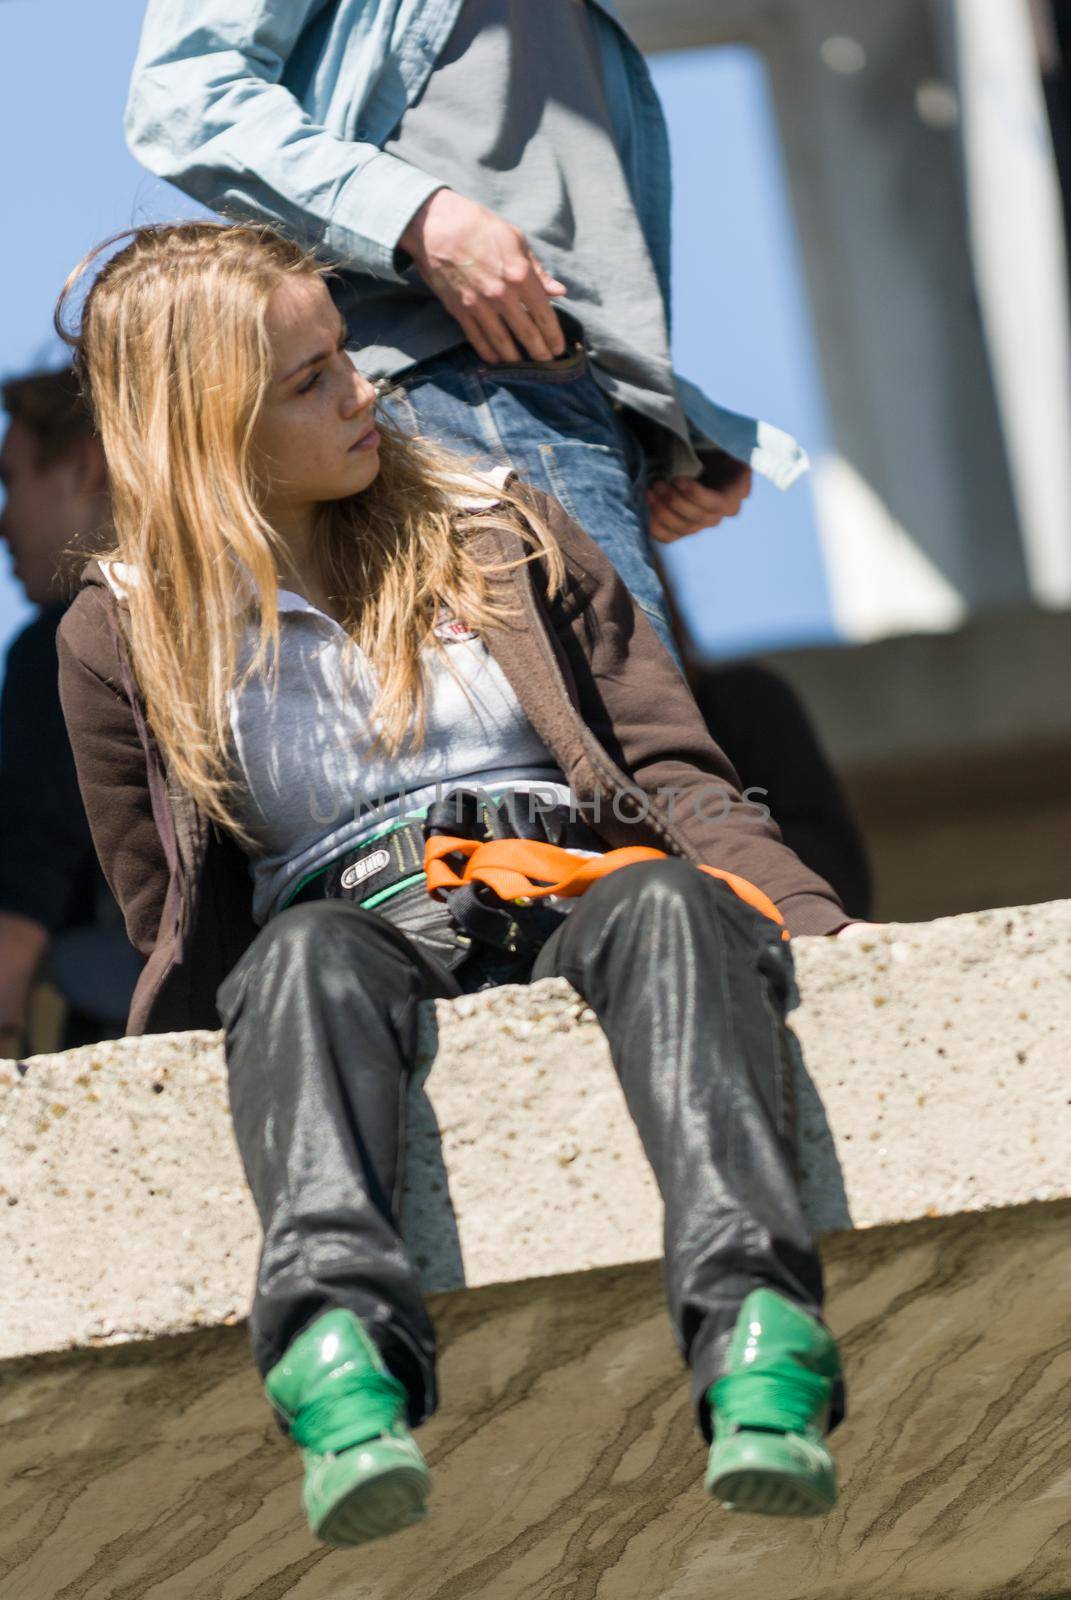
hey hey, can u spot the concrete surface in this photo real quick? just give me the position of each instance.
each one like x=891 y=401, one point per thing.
x=564 y=1458
x=138 y=1460
x=938 y=1050
x=999 y=682
x=955 y=753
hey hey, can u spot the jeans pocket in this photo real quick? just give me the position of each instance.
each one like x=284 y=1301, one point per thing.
x=574 y=474
x=566 y=368
x=548 y=399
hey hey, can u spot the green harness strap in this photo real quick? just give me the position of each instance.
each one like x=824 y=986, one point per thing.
x=373 y=900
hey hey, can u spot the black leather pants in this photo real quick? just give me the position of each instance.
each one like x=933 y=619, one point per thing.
x=691 y=987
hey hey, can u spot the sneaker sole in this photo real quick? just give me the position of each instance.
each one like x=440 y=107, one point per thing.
x=770 y=1494
x=386 y=1504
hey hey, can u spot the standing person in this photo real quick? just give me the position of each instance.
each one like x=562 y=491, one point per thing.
x=493 y=177
x=299 y=602
x=57 y=916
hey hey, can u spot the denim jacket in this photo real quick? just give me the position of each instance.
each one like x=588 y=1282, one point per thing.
x=278 y=109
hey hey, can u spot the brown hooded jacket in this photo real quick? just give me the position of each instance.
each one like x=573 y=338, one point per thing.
x=590 y=674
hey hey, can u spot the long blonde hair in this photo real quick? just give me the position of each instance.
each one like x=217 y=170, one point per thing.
x=174 y=352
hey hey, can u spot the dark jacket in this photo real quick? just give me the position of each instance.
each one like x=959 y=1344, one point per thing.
x=590 y=674
x=48 y=868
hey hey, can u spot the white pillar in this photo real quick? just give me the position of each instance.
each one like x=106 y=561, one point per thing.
x=916 y=509
x=1017 y=231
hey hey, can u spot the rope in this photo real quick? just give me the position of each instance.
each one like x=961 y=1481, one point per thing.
x=523 y=870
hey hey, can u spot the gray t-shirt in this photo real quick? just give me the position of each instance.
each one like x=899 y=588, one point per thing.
x=313 y=784
x=515 y=115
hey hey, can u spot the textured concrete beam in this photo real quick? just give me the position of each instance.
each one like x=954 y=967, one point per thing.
x=938 y=1051
x=565 y=1462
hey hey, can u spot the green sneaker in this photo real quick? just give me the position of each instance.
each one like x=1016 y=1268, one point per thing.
x=364 y=1476
x=770 y=1413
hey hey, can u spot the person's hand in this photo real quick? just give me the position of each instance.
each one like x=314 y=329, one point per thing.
x=680 y=506
x=483 y=270
x=854 y=930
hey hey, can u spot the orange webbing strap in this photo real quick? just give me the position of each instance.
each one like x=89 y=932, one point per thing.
x=527 y=869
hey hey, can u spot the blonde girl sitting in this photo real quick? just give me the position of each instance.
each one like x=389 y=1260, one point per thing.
x=306 y=633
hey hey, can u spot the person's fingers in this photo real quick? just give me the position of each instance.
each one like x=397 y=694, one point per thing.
x=529 y=314
x=732 y=500
x=496 y=333
x=660 y=496
x=664 y=534
x=690 y=498
x=551 y=285
x=536 y=339
x=476 y=337
x=534 y=294
x=675 y=514
x=727 y=500
x=705 y=514
x=694 y=490
x=692 y=493
x=666 y=523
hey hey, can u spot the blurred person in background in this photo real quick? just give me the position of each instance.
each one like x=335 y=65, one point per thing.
x=493 y=178
x=758 y=719
x=58 y=919
x=762 y=725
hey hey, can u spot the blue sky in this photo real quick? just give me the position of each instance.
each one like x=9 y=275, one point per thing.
x=741 y=325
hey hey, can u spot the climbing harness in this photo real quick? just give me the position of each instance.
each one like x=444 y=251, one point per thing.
x=503 y=866
x=498 y=889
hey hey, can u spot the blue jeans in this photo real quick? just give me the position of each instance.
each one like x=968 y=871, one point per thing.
x=553 y=424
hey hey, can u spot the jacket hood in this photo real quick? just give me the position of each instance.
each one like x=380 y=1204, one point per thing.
x=92 y=575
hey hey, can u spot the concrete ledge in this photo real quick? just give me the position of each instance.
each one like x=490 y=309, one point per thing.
x=936 y=1051
x=138 y=1460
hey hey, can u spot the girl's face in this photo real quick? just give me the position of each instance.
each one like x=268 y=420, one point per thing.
x=315 y=438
